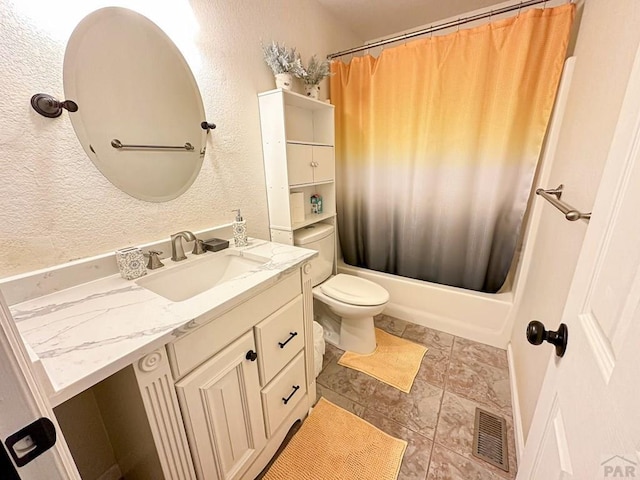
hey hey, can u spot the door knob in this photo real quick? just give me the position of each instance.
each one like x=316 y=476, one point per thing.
x=536 y=334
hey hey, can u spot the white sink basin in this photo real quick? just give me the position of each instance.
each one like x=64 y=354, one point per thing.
x=199 y=274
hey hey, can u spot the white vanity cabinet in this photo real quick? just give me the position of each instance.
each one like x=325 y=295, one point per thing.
x=152 y=389
x=299 y=157
x=244 y=378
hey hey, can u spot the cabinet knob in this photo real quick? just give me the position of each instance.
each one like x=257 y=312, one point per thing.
x=251 y=355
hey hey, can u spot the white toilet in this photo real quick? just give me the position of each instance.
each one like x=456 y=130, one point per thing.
x=347 y=303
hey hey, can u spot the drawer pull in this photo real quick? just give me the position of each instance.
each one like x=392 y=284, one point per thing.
x=292 y=334
x=295 y=389
x=251 y=355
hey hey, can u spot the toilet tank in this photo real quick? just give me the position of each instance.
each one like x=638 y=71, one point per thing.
x=320 y=237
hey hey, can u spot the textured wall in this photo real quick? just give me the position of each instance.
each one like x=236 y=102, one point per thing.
x=56 y=206
x=606 y=46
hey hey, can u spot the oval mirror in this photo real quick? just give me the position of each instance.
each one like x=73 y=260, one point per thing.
x=139 y=107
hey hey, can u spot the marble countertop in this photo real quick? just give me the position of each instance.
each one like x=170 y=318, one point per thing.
x=83 y=334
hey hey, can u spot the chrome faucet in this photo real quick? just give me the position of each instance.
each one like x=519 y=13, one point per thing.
x=177 y=250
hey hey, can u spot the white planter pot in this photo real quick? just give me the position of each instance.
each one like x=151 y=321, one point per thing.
x=312 y=90
x=284 y=81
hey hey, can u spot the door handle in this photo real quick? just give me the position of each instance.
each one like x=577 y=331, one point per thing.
x=536 y=334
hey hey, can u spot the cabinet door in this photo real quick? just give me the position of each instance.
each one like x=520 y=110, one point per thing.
x=299 y=164
x=324 y=164
x=221 y=406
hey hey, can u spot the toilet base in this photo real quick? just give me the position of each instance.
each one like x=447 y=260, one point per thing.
x=358 y=335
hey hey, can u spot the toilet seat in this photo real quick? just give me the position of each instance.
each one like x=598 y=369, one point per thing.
x=354 y=290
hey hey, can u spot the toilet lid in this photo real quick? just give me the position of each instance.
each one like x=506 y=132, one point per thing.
x=354 y=290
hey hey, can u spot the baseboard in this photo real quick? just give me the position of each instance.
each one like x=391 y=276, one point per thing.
x=515 y=405
x=113 y=473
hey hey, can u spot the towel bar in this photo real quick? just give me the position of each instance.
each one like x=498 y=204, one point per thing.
x=115 y=143
x=553 y=197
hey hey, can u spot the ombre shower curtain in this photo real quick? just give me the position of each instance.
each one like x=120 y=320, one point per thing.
x=436 y=147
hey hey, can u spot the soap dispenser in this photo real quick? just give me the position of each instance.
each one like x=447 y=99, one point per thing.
x=239 y=230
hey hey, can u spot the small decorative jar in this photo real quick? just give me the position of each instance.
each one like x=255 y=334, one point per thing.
x=284 y=81
x=131 y=263
x=312 y=91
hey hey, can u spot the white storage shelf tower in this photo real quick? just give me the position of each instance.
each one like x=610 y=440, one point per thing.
x=299 y=156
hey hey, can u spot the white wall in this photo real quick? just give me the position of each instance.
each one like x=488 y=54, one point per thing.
x=605 y=48
x=56 y=206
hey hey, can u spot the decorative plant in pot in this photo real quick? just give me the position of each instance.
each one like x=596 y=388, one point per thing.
x=313 y=74
x=284 y=62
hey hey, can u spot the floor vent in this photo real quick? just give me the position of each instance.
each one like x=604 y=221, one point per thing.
x=490 y=439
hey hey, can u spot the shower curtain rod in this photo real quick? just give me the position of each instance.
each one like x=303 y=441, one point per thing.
x=436 y=28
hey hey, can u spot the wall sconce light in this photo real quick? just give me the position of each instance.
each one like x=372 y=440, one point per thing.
x=48 y=106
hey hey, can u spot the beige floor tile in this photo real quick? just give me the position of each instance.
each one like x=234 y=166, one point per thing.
x=416 y=458
x=391 y=325
x=434 y=366
x=428 y=337
x=417 y=410
x=480 y=382
x=354 y=385
x=447 y=465
x=339 y=400
x=474 y=352
x=331 y=354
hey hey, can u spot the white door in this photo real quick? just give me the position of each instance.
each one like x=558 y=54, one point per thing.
x=21 y=404
x=587 y=421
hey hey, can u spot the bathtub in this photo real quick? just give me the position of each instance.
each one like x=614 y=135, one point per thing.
x=478 y=316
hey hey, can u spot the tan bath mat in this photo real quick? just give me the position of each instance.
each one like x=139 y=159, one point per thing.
x=395 y=361
x=335 y=444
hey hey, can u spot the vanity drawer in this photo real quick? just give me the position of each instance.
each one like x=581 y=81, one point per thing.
x=278 y=338
x=194 y=348
x=281 y=396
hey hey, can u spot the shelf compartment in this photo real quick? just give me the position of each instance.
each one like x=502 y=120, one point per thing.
x=313 y=144
x=314 y=184
x=297 y=100
x=308 y=126
x=326 y=191
x=311 y=219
